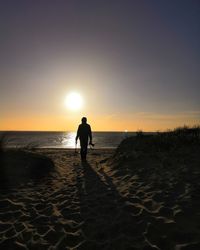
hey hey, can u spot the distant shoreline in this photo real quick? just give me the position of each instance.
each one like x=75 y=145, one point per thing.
x=62 y=148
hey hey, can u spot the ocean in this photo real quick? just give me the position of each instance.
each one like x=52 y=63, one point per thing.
x=61 y=139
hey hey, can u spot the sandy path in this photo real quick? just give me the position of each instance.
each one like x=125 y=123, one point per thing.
x=89 y=206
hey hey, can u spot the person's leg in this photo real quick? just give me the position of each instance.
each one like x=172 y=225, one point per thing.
x=83 y=150
x=82 y=153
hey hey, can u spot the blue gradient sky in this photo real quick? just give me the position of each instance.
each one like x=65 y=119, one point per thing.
x=136 y=64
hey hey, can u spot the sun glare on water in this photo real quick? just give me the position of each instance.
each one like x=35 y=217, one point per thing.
x=74 y=101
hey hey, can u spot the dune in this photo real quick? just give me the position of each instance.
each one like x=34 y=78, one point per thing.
x=143 y=195
x=20 y=166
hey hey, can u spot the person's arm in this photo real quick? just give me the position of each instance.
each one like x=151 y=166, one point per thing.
x=78 y=133
x=90 y=135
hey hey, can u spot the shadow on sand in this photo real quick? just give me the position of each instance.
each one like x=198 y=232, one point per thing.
x=108 y=222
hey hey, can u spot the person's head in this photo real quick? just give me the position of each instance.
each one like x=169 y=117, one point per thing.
x=84 y=120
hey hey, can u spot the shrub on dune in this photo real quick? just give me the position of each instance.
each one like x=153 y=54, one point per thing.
x=20 y=166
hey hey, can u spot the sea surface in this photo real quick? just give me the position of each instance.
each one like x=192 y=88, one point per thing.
x=60 y=139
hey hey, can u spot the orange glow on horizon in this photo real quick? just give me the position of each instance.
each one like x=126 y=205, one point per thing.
x=98 y=123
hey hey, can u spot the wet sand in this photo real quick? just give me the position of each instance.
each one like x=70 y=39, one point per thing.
x=100 y=205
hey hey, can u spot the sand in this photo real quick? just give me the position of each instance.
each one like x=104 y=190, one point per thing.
x=102 y=204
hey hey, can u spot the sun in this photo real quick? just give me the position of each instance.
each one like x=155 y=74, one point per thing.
x=74 y=101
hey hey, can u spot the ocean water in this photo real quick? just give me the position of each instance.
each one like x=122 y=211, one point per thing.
x=61 y=139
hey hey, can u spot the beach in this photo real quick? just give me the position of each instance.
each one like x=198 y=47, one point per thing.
x=127 y=198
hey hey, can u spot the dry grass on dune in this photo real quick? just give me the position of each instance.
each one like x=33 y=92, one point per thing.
x=20 y=166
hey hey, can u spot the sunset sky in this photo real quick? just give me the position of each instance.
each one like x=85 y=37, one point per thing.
x=134 y=63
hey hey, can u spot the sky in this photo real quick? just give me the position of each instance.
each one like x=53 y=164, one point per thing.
x=135 y=63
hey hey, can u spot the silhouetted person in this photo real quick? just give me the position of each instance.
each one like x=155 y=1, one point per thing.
x=83 y=134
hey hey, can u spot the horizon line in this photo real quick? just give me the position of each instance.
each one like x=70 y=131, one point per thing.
x=124 y=131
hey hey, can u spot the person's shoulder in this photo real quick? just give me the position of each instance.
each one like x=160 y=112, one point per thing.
x=88 y=127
